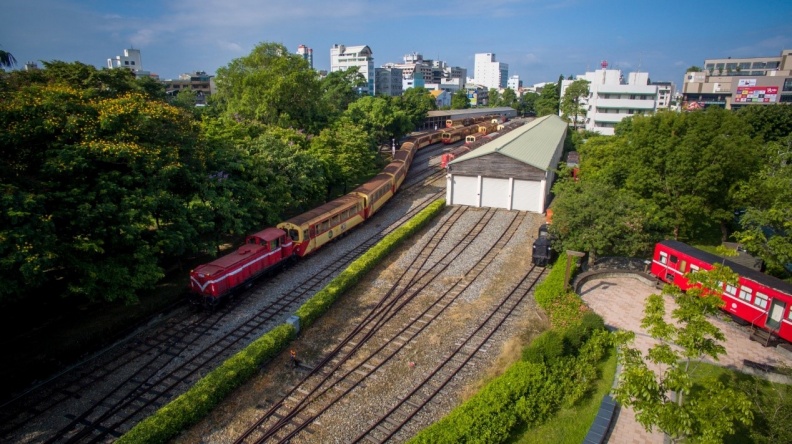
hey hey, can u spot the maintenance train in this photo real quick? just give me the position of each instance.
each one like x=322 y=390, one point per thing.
x=269 y=249
x=758 y=299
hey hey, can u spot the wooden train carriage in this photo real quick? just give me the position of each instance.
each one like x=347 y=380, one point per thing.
x=487 y=127
x=261 y=252
x=375 y=193
x=759 y=299
x=405 y=154
x=397 y=170
x=458 y=134
x=313 y=229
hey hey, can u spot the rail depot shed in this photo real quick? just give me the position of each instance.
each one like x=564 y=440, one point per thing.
x=514 y=171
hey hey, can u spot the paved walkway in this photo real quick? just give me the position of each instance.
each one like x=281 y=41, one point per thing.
x=620 y=301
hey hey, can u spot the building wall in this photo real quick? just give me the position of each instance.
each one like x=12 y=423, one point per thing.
x=489 y=72
x=388 y=81
x=131 y=60
x=343 y=57
x=611 y=99
x=732 y=83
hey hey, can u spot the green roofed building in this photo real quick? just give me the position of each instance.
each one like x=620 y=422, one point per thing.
x=514 y=171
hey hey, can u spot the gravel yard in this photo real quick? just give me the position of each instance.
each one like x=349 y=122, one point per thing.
x=366 y=404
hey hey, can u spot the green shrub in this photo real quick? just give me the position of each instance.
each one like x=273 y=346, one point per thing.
x=579 y=332
x=546 y=348
x=323 y=299
x=552 y=286
x=193 y=405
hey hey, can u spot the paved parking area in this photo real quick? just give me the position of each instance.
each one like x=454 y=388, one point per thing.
x=620 y=301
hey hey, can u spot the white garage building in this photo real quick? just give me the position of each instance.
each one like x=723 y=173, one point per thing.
x=514 y=171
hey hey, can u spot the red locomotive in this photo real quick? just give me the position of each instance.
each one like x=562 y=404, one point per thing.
x=760 y=300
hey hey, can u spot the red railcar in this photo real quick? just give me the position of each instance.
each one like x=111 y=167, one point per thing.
x=262 y=252
x=758 y=299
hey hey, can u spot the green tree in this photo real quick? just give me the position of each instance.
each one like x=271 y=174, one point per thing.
x=694 y=68
x=7 y=60
x=271 y=86
x=509 y=98
x=339 y=89
x=665 y=395
x=344 y=150
x=570 y=103
x=494 y=98
x=460 y=100
x=528 y=103
x=416 y=103
x=547 y=102
x=766 y=227
x=380 y=118
x=600 y=219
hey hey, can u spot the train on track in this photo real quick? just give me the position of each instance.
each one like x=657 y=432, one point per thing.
x=474 y=141
x=758 y=299
x=301 y=235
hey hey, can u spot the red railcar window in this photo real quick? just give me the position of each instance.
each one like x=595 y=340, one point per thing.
x=745 y=294
x=761 y=300
x=663 y=257
x=674 y=259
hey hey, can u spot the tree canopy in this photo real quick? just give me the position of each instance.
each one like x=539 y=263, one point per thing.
x=570 y=102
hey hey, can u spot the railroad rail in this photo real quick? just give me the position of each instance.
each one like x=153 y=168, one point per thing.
x=344 y=370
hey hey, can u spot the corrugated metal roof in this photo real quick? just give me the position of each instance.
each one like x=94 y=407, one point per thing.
x=533 y=143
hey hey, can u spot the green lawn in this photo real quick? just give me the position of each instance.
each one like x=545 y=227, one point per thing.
x=571 y=425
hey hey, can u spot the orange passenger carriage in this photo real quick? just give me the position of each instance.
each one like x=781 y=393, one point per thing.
x=397 y=170
x=758 y=299
x=261 y=252
x=311 y=230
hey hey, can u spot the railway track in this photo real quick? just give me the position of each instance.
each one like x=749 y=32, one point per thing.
x=349 y=364
x=168 y=363
x=422 y=394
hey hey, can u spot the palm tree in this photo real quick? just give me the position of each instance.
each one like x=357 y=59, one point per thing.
x=6 y=59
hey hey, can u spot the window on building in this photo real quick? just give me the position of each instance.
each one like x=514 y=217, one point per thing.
x=132 y=62
x=759 y=65
x=761 y=300
x=787 y=85
x=745 y=294
x=126 y=62
x=710 y=66
x=745 y=65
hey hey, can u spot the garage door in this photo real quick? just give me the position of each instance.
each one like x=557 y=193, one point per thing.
x=528 y=196
x=495 y=193
x=465 y=190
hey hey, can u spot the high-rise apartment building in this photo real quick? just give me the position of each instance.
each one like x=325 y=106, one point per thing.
x=306 y=53
x=732 y=83
x=388 y=81
x=343 y=57
x=611 y=98
x=489 y=72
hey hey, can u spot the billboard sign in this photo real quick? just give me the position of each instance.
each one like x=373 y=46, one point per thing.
x=756 y=94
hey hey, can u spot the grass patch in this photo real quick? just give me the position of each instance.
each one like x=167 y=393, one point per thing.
x=571 y=425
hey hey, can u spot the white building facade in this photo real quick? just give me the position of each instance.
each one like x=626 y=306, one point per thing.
x=514 y=83
x=306 y=53
x=611 y=99
x=388 y=81
x=489 y=72
x=344 y=57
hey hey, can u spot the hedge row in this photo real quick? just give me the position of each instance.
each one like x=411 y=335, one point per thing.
x=557 y=369
x=324 y=298
x=193 y=405
x=528 y=393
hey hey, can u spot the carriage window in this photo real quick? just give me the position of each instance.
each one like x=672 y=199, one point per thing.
x=663 y=258
x=731 y=290
x=274 y=245
x=745 y=294
x=295 y=235
x=761 y=300
x=694 y=268
x=674 y=259
x=305 y=234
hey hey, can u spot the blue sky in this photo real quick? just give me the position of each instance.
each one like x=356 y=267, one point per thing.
x=540 y=40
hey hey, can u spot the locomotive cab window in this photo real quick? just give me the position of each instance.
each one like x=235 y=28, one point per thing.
x=274 y=244
x=294 y=234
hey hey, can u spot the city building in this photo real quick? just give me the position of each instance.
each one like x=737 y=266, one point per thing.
x=306 y=53
x=442 y=98
x=478 y=95
x=199 y=82
x=489 y=72
x=732 y=83
x=132 y=61
x=344 y=57
x=388 y=81
x=611 y=98
x=514 y=83
x=430 y=74
x=666 y=91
